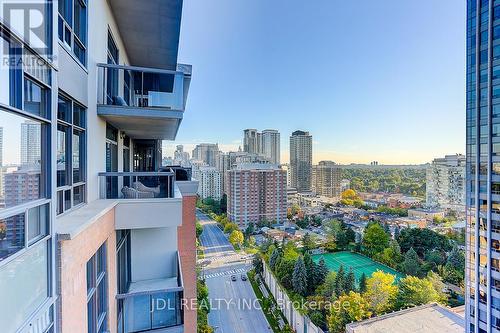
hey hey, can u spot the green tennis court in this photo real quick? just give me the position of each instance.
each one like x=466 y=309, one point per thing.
x=359 y=263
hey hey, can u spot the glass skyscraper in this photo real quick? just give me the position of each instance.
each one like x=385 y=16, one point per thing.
x=483 y=166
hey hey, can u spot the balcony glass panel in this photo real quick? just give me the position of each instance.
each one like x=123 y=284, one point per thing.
x=138 y=87
x=136 y=185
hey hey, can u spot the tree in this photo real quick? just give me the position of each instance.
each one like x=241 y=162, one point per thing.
x=199 y=229
x=390 y=256
x=456 y=259
x=381 y=292
x=311 y=272
x=439 y=286
x=230 y=227
x=327 y=289
x=362 y=283
x=349 y=281
x=375 y=239
x=411 y=264
x=299 y=277
x=353 y=307
x=322 y=271
x=284 y=272
x=257 y=264
x=236 y=238
x=397 y=232
x=423 y=240
x=223 y=203
x=350 y=235
x=414 y=291
x=339 y=281
x=273 y=259
x=307 y=242
x=249 y=230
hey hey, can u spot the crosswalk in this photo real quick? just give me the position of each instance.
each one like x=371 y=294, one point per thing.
x=225 y=273
x=229 y=258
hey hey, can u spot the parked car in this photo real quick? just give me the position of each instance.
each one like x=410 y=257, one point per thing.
x=243 y=277
x=233 y=277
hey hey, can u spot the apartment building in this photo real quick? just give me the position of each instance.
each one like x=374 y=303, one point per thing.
x=326 y=179
x=265 y=144
x=206 y=152
x=482 y=275
x=301 y=161
x=97 y=237
x=210 y=183
x=252 y=141
x=256 y=193
x=445 y=183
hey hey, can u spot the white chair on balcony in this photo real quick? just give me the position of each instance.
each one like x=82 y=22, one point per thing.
x=143 y=188
x=132 y=193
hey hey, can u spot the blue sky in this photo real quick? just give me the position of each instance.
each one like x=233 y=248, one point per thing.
x=371 y=80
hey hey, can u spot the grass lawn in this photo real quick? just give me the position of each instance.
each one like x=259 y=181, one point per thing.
x=359 y=263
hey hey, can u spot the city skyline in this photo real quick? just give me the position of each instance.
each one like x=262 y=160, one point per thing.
x=388 y=80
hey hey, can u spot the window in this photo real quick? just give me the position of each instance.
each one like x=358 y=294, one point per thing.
x=97 y=292
x=72 y=27
x=71 y=153
x=24 y=149
x=38 y=228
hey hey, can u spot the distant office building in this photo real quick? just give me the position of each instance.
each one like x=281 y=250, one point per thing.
x=270 y=145
x=206 y=152
x=181 y=157
x=256 y=192
x=252 y=141
x=301 y=161
x=210 y=183
x=168 y=161
x=327 y=177
x=445 y=187
x=30 y=143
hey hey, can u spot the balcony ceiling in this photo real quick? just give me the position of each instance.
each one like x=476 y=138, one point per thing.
x=143 y=123
x=150 y=30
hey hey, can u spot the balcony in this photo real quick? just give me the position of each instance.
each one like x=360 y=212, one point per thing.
x=145 y=103
x=145 y=199
x=153 y=305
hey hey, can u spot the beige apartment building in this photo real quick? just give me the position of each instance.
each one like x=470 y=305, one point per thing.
x=256 y=193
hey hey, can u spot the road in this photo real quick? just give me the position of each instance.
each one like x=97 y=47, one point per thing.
x=235 y=308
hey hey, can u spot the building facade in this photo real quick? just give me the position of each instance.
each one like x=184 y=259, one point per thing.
x=301 y=161
x=326 y=179
x=206 y=152
x=93 y=237
x=210 y=183
x=252 y=141
x=482 y=273
x=445 y=183
x=256 y=193
x=270 y=145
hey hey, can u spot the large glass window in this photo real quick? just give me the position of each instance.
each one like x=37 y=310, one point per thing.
x=23 y=163
x=72 y=27
x=71 y=153
x=97 y=292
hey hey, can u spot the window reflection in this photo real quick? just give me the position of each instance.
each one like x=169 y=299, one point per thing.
x=21 y=142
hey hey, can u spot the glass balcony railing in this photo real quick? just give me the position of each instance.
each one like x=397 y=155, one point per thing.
x=150 y=311
x=136 y=185
x=141 y=87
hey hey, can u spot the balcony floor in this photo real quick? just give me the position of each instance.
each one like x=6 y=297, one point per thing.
x=146 y=286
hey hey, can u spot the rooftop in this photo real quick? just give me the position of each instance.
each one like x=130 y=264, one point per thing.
x=428 y=318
